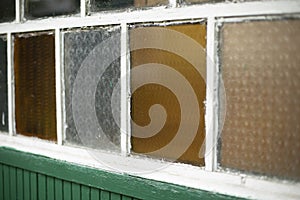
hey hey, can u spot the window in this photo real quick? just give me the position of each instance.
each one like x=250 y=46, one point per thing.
x=259 y=65
x=7 y=13
x=155 y=88
x=35 y=85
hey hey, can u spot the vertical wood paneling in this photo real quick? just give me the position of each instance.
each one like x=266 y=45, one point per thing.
x=6 y=185
x=42 y=186
x=20 y=183
x=26 y=184
x=1 y=182
x=67 y=190
x=85 y=192
x=13 y=182
x=33 y=186
x=115 y=196
x=126 y=198
x=50 y=188
x=58 y=189
x=75 y=191
x=104 y=195
x=95 y=194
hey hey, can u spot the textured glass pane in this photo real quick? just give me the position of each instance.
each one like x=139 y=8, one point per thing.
x=168 y=72
x=3 y=86
x=34 y=63
x=44 y=8
x=99 y=5
x=260 y=70
x=93 y=55
x=7 y=13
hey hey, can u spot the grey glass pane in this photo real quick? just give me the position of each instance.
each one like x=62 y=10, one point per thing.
x=102 y=5
x=7 y=10
x=92 y=67
x=44 y=8
x=3 y=86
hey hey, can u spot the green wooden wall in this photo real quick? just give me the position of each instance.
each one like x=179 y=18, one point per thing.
x=28 y=176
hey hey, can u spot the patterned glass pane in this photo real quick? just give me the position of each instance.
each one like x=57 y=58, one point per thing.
x=260 y=68
x=92 y=72
x=35 y=107
x=168 y=91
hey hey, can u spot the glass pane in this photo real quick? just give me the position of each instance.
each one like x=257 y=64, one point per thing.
x=260 y=69
x=168 y=91
x=44 y=8
x=35 y=106
x=93 y=119
x=3 y=85
x=100 y=5
x=8 y=11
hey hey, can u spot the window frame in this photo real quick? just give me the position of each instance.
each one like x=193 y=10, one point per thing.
x=210 y=177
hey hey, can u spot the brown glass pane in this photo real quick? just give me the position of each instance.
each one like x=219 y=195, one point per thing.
x=147 y=3
x=34 y=63
x=260 y=69
x=153 y=93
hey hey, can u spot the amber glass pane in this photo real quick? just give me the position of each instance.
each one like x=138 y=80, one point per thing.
x=3 y=86
x=153 y=93
x=7 y=10
x=260 y=69
x=44 y=8
x=35 y=85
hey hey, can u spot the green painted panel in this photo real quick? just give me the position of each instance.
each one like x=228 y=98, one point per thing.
x=1 y=182
x=50 y=188
x=75 y=191
x=42 y=190
x=33 y=186
x=85 y=192
x=95 y=194
x=104 y=195
x=126 y=198
x=115 y=196
x=67 y=190
x=6 y=192
x=6 y=179
x=13 y=182
x=26 y=184
x=75 y=175
x=20 y=182
x=58 y=189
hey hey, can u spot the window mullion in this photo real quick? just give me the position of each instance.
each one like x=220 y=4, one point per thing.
x=10 y=84
x=211 y=116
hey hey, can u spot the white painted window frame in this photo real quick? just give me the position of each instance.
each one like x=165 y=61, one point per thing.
x=208 y=178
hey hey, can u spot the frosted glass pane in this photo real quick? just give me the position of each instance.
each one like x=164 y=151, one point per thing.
x=92 y=50
x=35 y=107
x=3 y=85
x=44 y=8
x=165 y=138
x=260 y=69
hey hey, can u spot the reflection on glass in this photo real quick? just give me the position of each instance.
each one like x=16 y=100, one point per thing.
x=7 y=13
x=94 y=53
x=260 y=70
x=44 y=8
x=172 y=54
x=3 y=85
x=34 y=64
